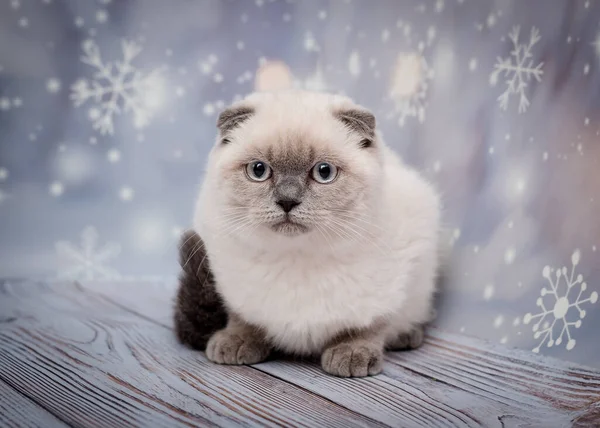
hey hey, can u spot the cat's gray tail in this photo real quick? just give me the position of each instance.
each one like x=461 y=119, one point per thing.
x=199 y=309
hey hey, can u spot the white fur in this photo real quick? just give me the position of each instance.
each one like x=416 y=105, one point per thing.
x=303 y=290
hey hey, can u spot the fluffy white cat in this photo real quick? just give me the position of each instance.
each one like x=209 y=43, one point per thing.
x=320 y=239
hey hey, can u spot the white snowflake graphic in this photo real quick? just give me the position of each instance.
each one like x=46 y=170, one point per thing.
x=118 y=87
x=518 y=69
x=564 y=311
x=88 y=261
x=409 y=87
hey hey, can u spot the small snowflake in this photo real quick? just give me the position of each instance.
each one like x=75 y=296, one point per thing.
x=561 y=312
x=118 y=87
x=596 y=45
x=518 y=68
x=88 y=261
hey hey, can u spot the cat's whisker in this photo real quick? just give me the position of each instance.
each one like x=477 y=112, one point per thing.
x=187 y=240
x=357 y=234
x=194 y=251
x=356 y=216
x=327 y=240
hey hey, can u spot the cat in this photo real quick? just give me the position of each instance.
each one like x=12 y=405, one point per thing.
x=310 y=237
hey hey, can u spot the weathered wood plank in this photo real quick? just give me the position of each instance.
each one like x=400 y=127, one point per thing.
x=16 y=410
x=451 y=380
x=94 y=364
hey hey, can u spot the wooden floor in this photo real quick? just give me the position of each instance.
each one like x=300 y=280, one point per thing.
x=98 y=354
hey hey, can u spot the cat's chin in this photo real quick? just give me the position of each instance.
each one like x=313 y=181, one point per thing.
x=289 y=228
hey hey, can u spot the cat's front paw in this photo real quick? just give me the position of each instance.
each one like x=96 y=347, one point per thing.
x=226 y=347
x=352 y=360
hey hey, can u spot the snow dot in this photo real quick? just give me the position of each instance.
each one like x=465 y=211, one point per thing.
x=545 y=156
x=322 y=14
x=178 y=154
x=473 y=64
x=594 y=248
x=576 y=257
x=498 y=321
x=56 y=188
x=17 y=102
x=150 y=234
x=476 y=249
x=126 y=193
x=205 y=67
x=74 y=166
x=504 y=340
x=240 y=45
x=15 y=4
x=79 y=22
x=4 y=104
x=354 y=64
x=509 y=255
x=53 y=85
x=101 y=16
x=491 y=150
x=488 y=292
x=437 y=165
x=462 y=329
x=286 y=17
x=456 y=233
x=208 y=109
x=113 y=155
x=510 y=224
x=93 y=141
x=177 y=231
x=586 y=69
x=439 y=6
x=218 y=77
x=586 y=122
x=179 y=91
x=516 y=322
x=491 y=21
x=310 y=44
x=385 y=35
x=23 y=22
x=259 y=3
x=3 y=174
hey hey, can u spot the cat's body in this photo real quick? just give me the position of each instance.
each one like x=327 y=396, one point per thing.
x=349 y=268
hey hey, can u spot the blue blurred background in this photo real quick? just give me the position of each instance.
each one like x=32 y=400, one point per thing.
x=108 y=110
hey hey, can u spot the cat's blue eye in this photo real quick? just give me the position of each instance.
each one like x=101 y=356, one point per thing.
x=258 y=171
x=324 y=172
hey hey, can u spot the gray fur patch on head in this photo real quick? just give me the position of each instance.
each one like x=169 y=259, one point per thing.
x=232 y=117
x=360 y=121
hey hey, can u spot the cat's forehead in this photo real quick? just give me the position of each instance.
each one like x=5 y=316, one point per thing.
x=291 y=156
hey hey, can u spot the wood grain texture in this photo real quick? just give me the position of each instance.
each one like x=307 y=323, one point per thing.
x=16 y=410
x=451 y=381
x=92 y=363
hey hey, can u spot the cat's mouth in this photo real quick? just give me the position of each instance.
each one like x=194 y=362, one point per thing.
x=289 y=227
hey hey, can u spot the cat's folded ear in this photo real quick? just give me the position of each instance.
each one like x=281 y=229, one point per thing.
x=231 y=118
x=359 y=120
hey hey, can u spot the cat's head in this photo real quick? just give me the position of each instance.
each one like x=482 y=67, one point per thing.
x=295 y=162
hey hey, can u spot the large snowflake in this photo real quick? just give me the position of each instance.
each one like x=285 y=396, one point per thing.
x=554 y=321
x=118 y=87
x=88 y=261
x=518 y=68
